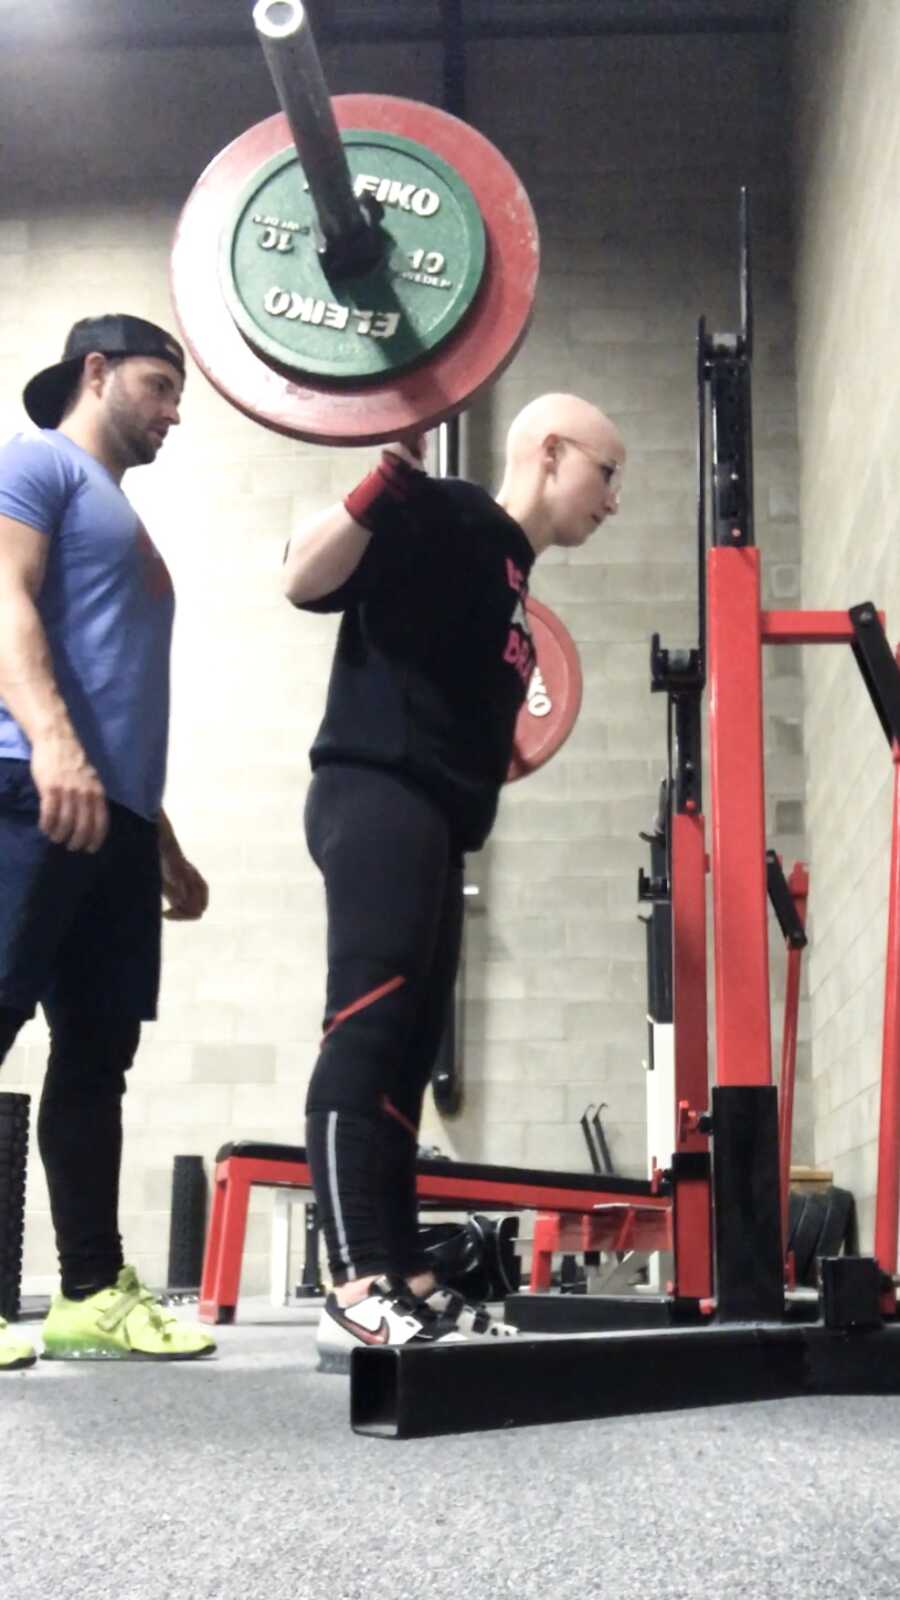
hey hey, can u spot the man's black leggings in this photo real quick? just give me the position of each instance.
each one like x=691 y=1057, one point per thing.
x=80 y=1137
x=393 y=883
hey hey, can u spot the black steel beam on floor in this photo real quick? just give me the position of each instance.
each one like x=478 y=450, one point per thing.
x=588 y=1313
x=600 y=1312
x=406 y=1393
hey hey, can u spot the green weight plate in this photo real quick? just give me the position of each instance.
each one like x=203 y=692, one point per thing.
x=367 y=326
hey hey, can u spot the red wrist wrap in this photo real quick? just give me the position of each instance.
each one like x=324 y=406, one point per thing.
x=392 y=481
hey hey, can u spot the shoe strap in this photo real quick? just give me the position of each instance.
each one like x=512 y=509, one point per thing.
x=130 y=1292
x=453 y=1303
x=397 y=1291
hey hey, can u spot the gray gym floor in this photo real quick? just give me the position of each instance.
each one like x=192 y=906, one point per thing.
x=239 y=1477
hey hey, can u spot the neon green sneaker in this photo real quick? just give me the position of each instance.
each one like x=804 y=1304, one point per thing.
x=14 y=1352
x=122 y=1323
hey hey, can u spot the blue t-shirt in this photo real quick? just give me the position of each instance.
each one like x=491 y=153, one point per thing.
x=107 y=607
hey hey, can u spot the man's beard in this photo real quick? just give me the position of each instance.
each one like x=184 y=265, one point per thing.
x=134 y=446
x=141 y=451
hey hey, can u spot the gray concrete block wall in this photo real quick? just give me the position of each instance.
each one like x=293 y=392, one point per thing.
x=632 y=150
x=847 y=170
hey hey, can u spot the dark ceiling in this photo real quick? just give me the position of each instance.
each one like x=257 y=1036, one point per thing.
x=173 y=23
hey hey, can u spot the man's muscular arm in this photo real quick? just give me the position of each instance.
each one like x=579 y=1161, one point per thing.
x=73 y=805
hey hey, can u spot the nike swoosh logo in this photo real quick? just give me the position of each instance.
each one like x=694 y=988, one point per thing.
x=379 y=1335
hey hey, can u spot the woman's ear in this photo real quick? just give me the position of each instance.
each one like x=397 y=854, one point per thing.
x=550 y=452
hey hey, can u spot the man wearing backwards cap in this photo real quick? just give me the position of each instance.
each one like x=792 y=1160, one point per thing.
x=86 y=609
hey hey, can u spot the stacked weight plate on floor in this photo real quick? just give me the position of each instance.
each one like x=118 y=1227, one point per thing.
x=822 y=1223
x=13 y=1165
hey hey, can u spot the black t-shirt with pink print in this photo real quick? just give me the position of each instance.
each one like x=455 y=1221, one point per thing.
x=434 y=654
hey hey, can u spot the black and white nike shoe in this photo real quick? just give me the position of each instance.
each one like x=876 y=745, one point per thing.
x=472 y=1322
x=389 y=1315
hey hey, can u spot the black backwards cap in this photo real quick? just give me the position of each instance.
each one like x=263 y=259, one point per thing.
x=45 y=396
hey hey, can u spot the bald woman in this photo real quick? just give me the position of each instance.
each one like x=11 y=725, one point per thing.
x=431 y=667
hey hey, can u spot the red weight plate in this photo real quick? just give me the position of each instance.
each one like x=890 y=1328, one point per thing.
x=366 y=413
x=554 y=694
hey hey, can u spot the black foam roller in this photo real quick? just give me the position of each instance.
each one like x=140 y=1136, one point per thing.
x=187 y=1229
x=13 y=1170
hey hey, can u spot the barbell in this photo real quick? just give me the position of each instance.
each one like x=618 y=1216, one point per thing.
x=351 y=270
x=354 y=269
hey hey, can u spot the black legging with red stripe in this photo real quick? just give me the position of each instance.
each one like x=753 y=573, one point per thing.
x=393 y=883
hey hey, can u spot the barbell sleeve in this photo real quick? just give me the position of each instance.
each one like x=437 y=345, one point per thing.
x=349 y=235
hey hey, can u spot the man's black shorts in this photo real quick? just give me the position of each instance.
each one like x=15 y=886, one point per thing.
x=78 y=931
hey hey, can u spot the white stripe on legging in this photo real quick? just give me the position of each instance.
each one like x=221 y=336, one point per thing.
x=340 y=1230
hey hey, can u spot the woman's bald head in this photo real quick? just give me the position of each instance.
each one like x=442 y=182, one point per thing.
x=565 y=416
x=564 y=461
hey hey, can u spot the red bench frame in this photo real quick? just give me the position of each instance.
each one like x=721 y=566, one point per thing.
x=602 y=1213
